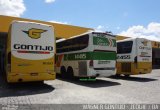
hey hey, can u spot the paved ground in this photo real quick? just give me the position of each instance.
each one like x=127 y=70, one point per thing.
x=137 y=89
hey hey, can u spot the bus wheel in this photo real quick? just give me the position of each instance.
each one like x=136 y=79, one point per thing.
x=70 y=72
x=63 y=72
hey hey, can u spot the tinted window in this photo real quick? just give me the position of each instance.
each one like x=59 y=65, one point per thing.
x=74 y=44
x=124 y=47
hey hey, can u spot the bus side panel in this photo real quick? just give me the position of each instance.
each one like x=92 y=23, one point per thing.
x=68 y=61
x=58 y=63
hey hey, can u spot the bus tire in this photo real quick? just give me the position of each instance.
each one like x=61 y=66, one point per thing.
x=63 y=72
x=70 y=72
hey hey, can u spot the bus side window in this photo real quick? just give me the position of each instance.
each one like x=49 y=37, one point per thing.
x=74 y=44
x=79 y=43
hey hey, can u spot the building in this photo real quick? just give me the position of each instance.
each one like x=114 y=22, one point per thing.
x=61 y=30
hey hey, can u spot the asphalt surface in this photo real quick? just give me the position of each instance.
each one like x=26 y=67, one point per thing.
x=139 y=89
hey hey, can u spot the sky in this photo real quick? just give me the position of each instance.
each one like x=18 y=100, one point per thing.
x=132 y=18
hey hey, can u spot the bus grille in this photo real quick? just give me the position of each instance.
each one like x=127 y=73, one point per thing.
x=126 y=67
x=82 y=68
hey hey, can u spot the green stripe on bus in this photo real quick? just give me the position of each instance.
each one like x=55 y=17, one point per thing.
x=102 y=41
x=104 y=56
x=91 y=56
x=114 y=42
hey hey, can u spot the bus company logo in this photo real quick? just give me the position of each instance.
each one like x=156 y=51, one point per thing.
x=34 y=33
x=144 y=43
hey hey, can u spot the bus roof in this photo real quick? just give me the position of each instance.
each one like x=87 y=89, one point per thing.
x=93 y=32
x=130 y=39
x=15 y=21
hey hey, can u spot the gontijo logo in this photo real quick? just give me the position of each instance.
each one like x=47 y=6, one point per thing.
x=144 y=45
x=34 y=33
x=33 y=49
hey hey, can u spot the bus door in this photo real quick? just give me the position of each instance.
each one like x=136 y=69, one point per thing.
x=144 y=53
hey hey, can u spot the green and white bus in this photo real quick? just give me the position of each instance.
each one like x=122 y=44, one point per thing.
x=89 y=55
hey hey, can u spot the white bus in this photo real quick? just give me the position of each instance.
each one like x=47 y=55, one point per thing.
x=134 y=56
x=88 y=55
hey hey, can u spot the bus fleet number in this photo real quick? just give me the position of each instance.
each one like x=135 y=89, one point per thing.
x=124 y=57
x=80 y=56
